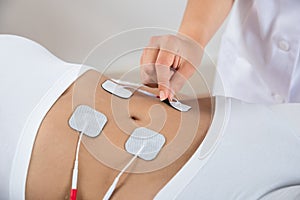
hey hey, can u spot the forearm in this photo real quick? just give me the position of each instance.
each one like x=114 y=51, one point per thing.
x=202 y=18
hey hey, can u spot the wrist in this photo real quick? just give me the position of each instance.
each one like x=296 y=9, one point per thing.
x=196 y=33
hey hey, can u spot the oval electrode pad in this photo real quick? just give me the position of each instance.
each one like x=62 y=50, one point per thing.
x=175 y=103
x=145 y=143
x=116 y=89
x=180 y=106
x=87 y=120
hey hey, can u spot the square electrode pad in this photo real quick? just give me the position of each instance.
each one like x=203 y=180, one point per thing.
x=87 y=120
x=145 y=142
x=116 y=89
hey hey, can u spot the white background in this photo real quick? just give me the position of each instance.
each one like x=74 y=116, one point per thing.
x=70 y=29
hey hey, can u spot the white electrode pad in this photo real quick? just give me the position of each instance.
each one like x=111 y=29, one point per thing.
x=87 y=120
x=179 y=106
x=145 y=143
x=116 y=89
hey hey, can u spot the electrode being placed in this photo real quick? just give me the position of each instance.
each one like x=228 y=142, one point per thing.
x=116 y=89
x=89 y=122
x=177 y=105
x=124 y=91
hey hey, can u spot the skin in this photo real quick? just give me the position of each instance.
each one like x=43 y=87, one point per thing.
x=202 y=18
x=183 y=52
x=50 y=170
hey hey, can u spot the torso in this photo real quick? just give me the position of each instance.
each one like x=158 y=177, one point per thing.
x=52 y=159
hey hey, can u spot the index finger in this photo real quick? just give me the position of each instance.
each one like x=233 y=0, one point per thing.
x=163 y=63
x=147 y=63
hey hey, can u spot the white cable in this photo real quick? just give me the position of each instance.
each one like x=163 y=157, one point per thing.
x=75 y=168
x=114 y=184
x=127 y=83
x=78 y=146
x=146 y=92
x=134 y=86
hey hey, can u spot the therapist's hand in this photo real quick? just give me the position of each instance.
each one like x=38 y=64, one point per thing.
x=168 y=61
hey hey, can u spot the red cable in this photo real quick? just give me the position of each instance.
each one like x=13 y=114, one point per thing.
x=73 y=194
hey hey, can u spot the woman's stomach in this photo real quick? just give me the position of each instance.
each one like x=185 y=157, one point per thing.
x=53 y=155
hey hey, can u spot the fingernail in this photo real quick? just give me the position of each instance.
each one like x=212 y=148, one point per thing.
x=162 y=95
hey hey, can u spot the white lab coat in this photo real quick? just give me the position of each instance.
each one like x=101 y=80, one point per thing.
x=259 y=56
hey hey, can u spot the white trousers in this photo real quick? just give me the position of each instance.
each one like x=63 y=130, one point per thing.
x=256 y=152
